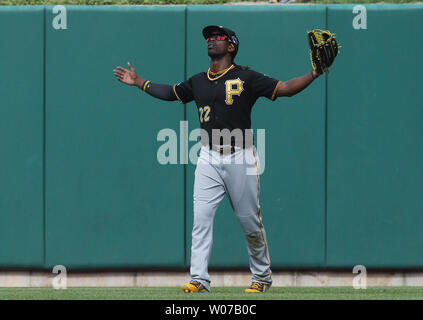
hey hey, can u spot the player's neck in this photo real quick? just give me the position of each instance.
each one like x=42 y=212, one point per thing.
x=219 y=65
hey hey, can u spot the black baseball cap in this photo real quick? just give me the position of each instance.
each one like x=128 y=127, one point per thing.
x=232 y=38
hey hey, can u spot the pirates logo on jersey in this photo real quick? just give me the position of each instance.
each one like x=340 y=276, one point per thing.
x=233 y=87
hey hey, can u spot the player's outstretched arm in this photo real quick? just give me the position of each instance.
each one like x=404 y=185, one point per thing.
x=130 y=77
x=296 y=85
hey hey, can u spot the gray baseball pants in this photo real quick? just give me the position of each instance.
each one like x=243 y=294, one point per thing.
x=237 y=176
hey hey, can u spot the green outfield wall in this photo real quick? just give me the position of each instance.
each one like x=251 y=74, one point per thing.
x=21 y=137
x=80 y=182
x=375 y=141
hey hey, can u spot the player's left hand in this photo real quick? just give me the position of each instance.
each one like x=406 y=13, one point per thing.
x=323 y=50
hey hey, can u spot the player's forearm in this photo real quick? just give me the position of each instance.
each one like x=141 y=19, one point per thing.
x=157 y=90
x=296 y=85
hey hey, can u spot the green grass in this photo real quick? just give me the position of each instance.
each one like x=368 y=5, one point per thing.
x=363 y=1
x=218 y=293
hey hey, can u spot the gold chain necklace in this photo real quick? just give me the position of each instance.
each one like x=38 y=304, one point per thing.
x=223 y=73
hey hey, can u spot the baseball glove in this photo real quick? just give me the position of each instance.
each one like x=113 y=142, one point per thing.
x=323 y=49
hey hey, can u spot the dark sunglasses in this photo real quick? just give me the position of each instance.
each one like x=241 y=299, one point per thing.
x=216 y=37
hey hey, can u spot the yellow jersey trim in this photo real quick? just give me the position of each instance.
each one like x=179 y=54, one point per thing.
x=174 y=91
x=273 y=98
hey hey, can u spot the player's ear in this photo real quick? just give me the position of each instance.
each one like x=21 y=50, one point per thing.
x=231 y=47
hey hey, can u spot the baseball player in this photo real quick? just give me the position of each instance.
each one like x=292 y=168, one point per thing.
x=224 y=96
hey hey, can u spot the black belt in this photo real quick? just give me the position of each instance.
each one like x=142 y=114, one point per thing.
x=223 y=150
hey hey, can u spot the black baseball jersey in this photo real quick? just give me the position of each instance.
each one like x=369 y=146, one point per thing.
x=225 y=102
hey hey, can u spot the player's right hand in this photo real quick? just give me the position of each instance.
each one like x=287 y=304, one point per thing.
x=126 y=76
